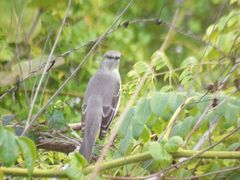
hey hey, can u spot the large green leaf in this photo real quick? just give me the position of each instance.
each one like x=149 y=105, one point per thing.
x=159 y=103
x=125 y=143
x=142 y=114
x=143 y=110
x=29 y=152
x=8 y=147
x=126 y=123
x=138 y=128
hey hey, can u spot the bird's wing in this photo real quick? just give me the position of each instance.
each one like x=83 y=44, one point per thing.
x=109 y=111
x=84 y=107
x=106 y=86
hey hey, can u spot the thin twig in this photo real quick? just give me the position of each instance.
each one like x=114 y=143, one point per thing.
x=29 y=121
x=122 y=25
x=206 y=149
x=178 y=178
x=197 y=124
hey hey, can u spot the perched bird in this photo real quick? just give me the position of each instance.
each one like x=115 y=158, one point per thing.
x=100 y=102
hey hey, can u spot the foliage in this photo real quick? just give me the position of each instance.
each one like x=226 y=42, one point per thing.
x=196 y=59
x=11 y=146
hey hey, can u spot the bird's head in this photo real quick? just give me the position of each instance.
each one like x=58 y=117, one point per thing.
x=111 y=60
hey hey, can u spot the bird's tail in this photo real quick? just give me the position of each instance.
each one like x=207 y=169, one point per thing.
x=93 y=118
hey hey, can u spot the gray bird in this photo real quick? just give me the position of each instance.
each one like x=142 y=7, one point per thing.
x=100 y=102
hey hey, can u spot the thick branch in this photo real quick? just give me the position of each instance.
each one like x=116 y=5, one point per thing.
x=52 y=145
x=120 y=162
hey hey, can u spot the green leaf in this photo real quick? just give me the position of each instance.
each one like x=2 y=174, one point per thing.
x=154 y=148
x=234 y=146
x=142 y=114
x=141 y=67
x=146 y=135
x=173 y=143
x=202 y=102
x=183 y=128
x=183 y=173
x=159 y=103
x=222 y=105
x=138 y=129
x=77 y=159
x=8 y=147
x=234 y=176
x=57 y=120
x=125 y=143
x=174 y=101
x=159 y=154
x=74 y=173
x=29 y=152
x=126 y=123
x=158 y=126
x=77 y=162
x=143 y=110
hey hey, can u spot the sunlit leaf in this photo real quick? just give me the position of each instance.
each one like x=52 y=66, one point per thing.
x=146 y=135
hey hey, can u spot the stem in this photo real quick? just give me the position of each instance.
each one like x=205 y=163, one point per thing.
x=120 y=162
x=36 y=172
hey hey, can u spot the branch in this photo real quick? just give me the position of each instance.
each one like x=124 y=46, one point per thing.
x=120 y=162
x=123 y=24
x=53 y=145
x=207 y=174
x=175 y=178
x=50 y=91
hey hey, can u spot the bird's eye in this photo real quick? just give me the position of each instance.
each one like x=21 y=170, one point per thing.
x=109 y=57
x=116 y=57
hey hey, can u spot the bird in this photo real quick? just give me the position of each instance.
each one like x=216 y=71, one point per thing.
x=100 y=102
